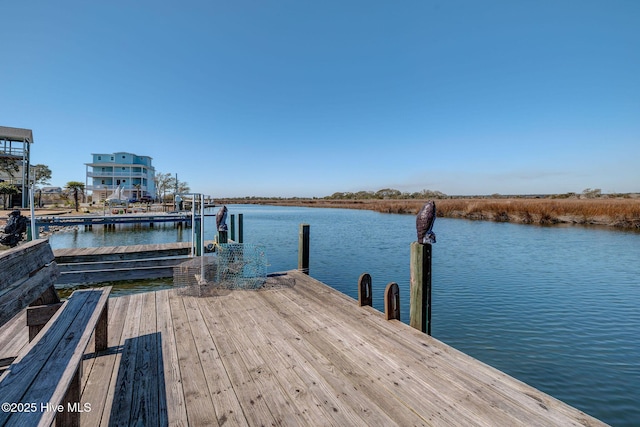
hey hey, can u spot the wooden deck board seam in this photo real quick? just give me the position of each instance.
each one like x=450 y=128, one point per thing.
x=225 y=399
x=380 y=342
x=317 y=337
x=196 y=393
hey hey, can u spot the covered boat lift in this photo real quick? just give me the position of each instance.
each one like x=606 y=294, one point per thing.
x=15 y=144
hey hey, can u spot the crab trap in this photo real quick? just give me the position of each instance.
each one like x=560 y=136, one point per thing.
x=234 y=266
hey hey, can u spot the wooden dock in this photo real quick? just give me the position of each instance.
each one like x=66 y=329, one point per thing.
x=120 y=253
x=294 y=353
x=113 y=263
x=91 y=220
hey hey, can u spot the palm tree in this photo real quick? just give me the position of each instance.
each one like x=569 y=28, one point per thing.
x=77 y=188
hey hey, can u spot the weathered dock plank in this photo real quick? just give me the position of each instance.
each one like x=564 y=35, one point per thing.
x=264 y=384
x=464 y=379
x=120 y=253
x=97 y=370
x=303 y=372
x=90 y=267
x=14 y=335
x=114 y=263
x=173 y=407
x=113 y=273
x=384 y=353
x=112 y=220
x=362 y=383
x=223 y=396
x=123 y=378
x=196 y=392
x=254 y=409
x=146 y=396
x=300 y=354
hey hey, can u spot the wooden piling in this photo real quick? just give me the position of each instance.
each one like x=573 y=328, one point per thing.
x=392 y=301
x=198 y=241
x=364 y=290
x=420 y=300
x=303 y=248
x=240 y=228
x=232 y=230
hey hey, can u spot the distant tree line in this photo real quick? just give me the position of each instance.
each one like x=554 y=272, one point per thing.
x=387 y=193
x=393 y=194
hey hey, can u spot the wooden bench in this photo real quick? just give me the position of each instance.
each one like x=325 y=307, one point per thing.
x=42 y=384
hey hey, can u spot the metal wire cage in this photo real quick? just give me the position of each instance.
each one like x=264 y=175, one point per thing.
x=241 y=266
x=189 y=278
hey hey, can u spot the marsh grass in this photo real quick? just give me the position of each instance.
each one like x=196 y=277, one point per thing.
x=616 y=212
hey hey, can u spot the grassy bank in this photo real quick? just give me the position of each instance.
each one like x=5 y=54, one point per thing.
x=613 y=212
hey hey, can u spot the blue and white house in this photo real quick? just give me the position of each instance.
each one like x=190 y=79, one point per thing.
x=130 y=172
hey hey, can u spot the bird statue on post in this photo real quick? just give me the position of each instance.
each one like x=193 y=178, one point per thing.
x=424 y=223
x=221 y=219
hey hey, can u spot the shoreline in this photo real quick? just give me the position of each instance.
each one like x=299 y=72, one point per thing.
x=619 y=213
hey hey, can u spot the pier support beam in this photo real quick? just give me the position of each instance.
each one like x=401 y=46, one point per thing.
x=303 y=248
x=240 y=228
x=420 y=300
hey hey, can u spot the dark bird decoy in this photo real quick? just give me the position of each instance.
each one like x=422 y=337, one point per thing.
x=221 y=219
x=424 y=223
x=12 y=233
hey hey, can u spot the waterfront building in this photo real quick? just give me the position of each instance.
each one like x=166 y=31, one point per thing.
x=132 y=173
x=15 y=168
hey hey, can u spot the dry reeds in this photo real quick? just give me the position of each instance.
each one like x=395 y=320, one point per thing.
x=616 y=212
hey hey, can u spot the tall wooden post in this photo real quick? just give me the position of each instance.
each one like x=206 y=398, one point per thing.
x=420 y=301
x=240 y=228
x=303 y=248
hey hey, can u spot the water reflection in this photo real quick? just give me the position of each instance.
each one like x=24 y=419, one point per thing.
x=556 y=307
x=123 y=287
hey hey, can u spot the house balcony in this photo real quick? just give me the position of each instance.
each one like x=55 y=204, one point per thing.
x=110 y=187
x=122 y=174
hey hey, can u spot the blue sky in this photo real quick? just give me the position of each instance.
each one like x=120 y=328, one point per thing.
x=308 y=98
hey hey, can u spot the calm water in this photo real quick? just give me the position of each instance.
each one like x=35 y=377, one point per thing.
x=556 y=307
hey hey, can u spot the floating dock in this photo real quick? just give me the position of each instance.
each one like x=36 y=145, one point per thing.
x=296 y=352
x=113 y=263
x=110 y=220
